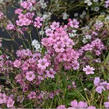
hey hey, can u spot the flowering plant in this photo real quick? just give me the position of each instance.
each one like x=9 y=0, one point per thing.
x=51 y=58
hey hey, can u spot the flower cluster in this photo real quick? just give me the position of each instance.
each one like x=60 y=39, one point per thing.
x=25 y=19
x=100 y=85
x=60 y=45
x=96 y=46
x=77 y=105
x=98 y=25
x=33 y=68
x=73 y=23
x=38 y=22
x=4 y=99
x=27 y=4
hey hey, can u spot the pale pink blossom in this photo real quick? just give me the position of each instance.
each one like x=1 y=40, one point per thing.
x=43 y=63
x=17 y=63
x=30 y=76
x=10 y=103
x=88 y=70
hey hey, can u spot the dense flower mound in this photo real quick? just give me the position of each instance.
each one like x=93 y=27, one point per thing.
x=54 y=54
x=59 y=45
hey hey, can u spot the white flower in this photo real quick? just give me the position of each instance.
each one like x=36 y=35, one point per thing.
x=46 y=27
x=74 y=31
x=72 y=35
x=34 y=42
x=98 y=22
x=43 y=5
x=1 y=1
x=107 y=18
x=75 y=14
x=102 y=13
x=41 y=1
x=96 y=9
x=84 y=13
x=82 y=16
x=88 y=36
x=95 y=0
x=65 y=15
x=36 y=45
x=46 y=16
x=88 y=2
x=84 y=40
x=41 y=32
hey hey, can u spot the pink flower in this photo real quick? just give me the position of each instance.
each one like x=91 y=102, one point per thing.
x=43 y=63
x=59 y=47
x=32 y=95
x=96 y=81
x=107 y=86
x=1 y=15
x=54 y=25
x=17 y=63
x=32 y=1
x=10 y=102
x=67 y=41
x=45 y=42
x=49 y=32
x=74 y=103
x=30 y=76
x=61 y=107
x=25 y=66
x=88 y=47
x=98 y=25
x=88 y=70
x=18 y=78
x=19 y=22
x=18 y=11
x=25 y=19
x=1 y=98
x=73 y=84
x=26 y=5
x=50 y=73
x=82 y=104
x=75 y=65
x=99 y=89
x=10 y=27
x=91 y=107
x=39 y=19
x=30 y=15
x=71 y=108
x=73 y=23
x=106 y=104
x=38 y=22
x=4 y=97
x=24 y=53
x=107 y=3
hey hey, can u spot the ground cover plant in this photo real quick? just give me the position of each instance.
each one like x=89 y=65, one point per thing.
x=54 y=54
